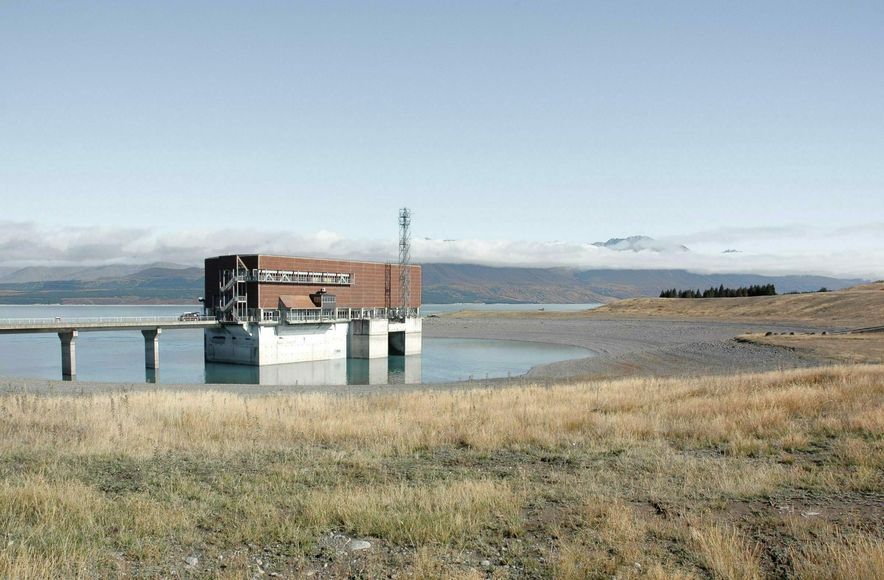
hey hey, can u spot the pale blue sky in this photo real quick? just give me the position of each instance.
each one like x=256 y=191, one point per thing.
x=573 y=121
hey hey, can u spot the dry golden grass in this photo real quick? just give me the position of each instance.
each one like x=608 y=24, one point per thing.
x=727 y=412
x=634 y=478
x=726 y=552
x=861 y=306
x=840 y=557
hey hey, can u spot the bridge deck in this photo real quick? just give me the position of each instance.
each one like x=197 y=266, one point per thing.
x=31 y=325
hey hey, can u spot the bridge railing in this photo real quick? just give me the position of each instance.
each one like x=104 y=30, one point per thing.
x=109 y=320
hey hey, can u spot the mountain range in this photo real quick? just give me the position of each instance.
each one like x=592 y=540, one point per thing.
x=442 y=283
x=152 y=284
x=449 y=283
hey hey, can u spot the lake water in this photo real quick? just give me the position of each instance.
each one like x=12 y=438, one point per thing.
x=119 y=356
x=428 y=309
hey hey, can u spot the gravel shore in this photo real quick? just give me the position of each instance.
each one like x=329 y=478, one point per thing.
x=620 y=347
x=634 y=347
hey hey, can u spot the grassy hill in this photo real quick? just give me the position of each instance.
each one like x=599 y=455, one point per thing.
x=856 y=307
x=146 y=286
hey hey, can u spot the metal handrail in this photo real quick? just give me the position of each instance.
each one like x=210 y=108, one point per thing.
x=101 y=320
x=291 y=315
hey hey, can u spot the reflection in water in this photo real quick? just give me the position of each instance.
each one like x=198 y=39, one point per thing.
x=119 y=356
x=378 y=371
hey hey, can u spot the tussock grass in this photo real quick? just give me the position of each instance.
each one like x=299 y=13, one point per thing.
x=726 y=553
x=840 y=557
x=449 y=513
x=747 y=415
x=634 y=478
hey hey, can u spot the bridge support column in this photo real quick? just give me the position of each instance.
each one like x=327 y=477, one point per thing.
x=367 y=338
x=68 y=353
x=152 y=348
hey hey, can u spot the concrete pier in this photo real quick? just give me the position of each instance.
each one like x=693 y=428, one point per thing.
x=368 y=338
x=152 y=348
x=68 y=353
x=272 y=342
x=405 y=337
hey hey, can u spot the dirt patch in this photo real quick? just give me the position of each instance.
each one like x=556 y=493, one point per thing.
x=863 y=347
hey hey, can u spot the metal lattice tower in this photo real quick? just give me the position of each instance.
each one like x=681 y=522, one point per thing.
x=404 y=260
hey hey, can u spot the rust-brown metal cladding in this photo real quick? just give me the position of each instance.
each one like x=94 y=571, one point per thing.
x=368 y=290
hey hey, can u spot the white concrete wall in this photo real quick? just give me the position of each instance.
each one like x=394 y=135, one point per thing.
x=411 y=331
x=270 y=345
x=253 y=344
x=301 y=343
x=231 y=344
x=368 y=339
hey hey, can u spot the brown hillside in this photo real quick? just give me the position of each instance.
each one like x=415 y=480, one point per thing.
x=860 y=306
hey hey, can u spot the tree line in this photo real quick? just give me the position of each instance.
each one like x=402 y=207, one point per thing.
x=722 y=292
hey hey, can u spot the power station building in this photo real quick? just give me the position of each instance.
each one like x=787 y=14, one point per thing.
x=278 y=309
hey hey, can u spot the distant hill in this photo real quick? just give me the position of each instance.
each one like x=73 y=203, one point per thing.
x=442 y=283
x=446 y=283
x=68 y=273
x=147 y=285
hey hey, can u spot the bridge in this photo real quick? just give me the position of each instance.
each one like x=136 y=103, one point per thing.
x=69 y=328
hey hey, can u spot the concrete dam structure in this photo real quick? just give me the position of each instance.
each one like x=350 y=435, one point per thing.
x=277 y=309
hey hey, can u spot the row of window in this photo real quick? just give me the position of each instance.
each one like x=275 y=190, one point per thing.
x=301 y=277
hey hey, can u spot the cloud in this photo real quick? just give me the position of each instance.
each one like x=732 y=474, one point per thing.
x=544 y=254
x=794 y=232
x=845 y=251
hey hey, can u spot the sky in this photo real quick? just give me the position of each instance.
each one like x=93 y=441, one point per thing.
x=518 y=132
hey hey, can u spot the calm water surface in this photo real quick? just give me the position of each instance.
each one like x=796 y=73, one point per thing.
x=119 y=356
x=428 y=309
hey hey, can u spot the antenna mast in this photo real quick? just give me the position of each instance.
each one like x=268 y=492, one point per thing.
x=404 y=260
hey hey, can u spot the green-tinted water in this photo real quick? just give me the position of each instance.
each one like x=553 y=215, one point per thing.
x=119 y=356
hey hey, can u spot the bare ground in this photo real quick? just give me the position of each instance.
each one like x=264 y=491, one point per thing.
x=632 y=347
x=852 y=347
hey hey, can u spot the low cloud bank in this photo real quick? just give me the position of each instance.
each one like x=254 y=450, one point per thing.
x=848 y=252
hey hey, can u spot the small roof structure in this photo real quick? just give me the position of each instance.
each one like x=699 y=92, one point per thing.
x=289 y=301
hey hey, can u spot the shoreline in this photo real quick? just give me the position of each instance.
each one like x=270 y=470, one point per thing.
x=640 y=347
x=620 y=348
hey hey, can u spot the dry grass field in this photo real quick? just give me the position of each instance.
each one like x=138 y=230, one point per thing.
x=768 y=475
x=860 y=306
